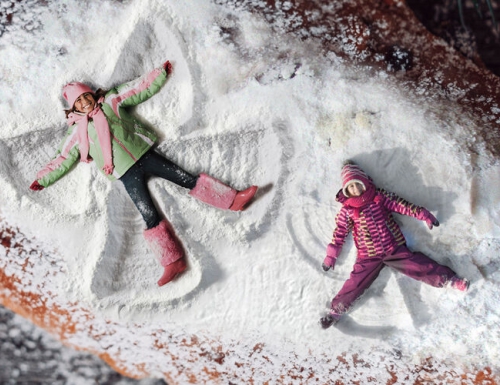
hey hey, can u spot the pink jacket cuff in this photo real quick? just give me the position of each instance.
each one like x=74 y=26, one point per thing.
x=333 y=251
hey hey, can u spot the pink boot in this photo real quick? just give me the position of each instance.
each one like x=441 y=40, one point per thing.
x=461 y=284
x=329 y=320
x=217 y=194
x=171 y=271
x=242 y=198
x=165 y=245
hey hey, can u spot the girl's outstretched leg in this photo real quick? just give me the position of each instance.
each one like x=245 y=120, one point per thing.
x=422 y=268
x=158 y=234
x=362 y=276
x=215 y=193
x=155 y=164
x=167 y=248
x=204 y=187
x=135 y=183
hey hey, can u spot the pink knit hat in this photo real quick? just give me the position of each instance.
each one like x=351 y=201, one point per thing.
x=73 y=90
x=352 y=173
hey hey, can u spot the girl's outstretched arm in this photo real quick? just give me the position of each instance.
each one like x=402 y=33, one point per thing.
x=401 y=206
x=66 y=156
x=342 y=229
x=139 y=90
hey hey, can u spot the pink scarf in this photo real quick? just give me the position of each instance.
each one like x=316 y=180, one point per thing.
x=103 y=134
x=357 y=203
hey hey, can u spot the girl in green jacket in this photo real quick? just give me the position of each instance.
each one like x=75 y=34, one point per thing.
x=101 y=130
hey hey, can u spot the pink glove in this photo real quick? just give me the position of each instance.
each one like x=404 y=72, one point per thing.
x=332 y=252
x=168 y=67
x=428 y=218
x=35 y=186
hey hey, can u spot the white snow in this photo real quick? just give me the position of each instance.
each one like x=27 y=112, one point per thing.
x=250 y=106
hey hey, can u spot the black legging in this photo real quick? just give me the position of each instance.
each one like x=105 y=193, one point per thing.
x=135 y=182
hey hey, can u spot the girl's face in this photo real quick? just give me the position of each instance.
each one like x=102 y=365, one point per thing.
x=85 y=103
x=355 y=189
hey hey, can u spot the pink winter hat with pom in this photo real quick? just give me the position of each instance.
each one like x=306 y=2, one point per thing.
x=73 y=90
x=352 y=173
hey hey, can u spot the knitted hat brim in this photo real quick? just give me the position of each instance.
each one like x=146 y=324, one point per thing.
x=344 y=189
x=73 y=90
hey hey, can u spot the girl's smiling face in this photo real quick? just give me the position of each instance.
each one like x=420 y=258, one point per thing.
x=85 y=103
x=355 y=189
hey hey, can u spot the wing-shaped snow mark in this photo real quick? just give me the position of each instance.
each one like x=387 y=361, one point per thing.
x=127 y=268
x=307 y=232
x=21 y=158
x=130 y=57
x=309 y=229
x=276 y=153
x=253 y=156
x=125 y=265
x=149 y=45
x=304 y=232
x=121 y=233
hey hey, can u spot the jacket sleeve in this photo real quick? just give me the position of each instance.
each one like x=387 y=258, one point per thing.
x=343 y=227
x=394 y=203
x=66 y=156
x=137 y=91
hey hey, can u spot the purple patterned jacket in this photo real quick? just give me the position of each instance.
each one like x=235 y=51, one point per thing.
x=374 y=229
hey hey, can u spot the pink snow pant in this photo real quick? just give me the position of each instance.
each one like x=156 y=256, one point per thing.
x=415 y=265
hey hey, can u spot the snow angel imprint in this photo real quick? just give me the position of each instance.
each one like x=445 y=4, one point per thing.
x=101 y=129
x=367 y=212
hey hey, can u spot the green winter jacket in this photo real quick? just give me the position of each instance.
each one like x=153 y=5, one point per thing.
x=130 y=140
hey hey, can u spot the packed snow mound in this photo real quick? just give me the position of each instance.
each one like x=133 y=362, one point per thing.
x=250 y=105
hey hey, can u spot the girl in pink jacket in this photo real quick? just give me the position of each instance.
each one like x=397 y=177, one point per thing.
x=367 y=212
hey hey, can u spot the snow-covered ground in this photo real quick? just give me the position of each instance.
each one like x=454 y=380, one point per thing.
x=249 y=105
x=29 y=355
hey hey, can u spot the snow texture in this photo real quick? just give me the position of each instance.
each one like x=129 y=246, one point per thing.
x=249 y=105
x=28 y=355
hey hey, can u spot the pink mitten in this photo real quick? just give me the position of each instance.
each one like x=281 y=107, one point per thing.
x=35 y=186
x=332 y=252
x=168 y=67
x=428 y=218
